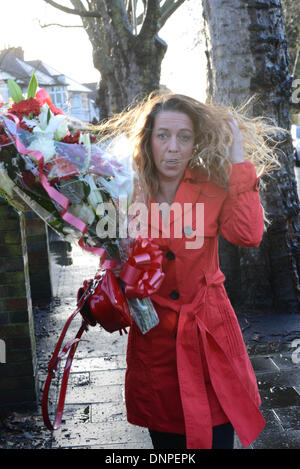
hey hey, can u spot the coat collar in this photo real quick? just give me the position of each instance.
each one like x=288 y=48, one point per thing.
x=195 y=175
x=188 y=192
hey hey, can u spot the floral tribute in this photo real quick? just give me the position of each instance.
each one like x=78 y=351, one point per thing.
x=75 y=185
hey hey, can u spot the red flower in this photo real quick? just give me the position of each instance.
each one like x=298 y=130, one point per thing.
x=42 y=96
x=60 y=168
x=25 y=108
x=24 y=126
x=74 y=138
x=21 y=124
x=69 y=138
x=4 y=139
x=56 y=110
x=29 y=180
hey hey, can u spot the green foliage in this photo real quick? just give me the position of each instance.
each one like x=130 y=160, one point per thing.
x=17 y=94
x=15 y=91
x=32 y=87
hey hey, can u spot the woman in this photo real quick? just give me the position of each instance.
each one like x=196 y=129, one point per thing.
x=189 y=380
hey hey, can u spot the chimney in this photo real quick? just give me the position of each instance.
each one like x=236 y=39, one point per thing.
x=18 y=52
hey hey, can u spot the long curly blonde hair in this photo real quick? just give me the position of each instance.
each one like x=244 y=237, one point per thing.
x=213 y=137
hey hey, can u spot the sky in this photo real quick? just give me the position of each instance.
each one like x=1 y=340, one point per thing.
x=69 y=50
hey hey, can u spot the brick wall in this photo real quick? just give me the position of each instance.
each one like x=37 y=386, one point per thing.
x=38 y=258
x=18 y=378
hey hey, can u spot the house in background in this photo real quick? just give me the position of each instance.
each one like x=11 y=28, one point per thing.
x=75 y=99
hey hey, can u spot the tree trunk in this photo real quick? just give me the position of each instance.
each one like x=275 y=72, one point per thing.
x=128 y=76
x=129 y=63
x=246 y=55
x=126 y=48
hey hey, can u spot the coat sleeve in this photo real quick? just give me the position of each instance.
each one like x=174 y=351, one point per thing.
x=241 y=218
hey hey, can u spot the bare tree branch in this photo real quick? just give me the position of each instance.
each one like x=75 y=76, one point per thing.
x=141 y=17
x=149 y=27
x=133 y=16
x=82 y=13
x=60 y=25
x=167 y=9
x=78 y=5
x=128 y=58
x=128 y=7
x=119 y=18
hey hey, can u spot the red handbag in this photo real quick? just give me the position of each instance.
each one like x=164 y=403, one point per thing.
x=100 y=301
x=104 y=303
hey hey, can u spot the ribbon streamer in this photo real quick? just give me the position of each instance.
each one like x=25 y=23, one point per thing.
x=55 y=195
x=142 y=273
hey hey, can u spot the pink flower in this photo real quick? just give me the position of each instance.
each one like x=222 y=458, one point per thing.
x=42 y=96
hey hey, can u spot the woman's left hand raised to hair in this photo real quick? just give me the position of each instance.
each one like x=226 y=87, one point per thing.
x=237 y=147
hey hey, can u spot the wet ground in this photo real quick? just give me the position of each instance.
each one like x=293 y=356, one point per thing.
x=95 y=416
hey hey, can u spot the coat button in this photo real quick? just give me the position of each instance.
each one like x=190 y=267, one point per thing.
x=174 y=295
x=188 y=230
x=170 y=255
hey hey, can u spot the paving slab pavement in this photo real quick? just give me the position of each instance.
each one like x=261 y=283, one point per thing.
x=95 y=415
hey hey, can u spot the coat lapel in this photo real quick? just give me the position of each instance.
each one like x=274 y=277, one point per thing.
x=186 y=197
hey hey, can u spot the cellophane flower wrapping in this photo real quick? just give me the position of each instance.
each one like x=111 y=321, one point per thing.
x=81 y=189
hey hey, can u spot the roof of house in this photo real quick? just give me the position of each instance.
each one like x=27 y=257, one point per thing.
x=5 y=76
x=13 y=65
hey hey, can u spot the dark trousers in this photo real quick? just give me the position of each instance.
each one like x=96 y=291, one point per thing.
x=223 y=437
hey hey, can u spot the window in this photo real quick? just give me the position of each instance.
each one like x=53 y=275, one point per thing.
x=76 y=100
x=3 y=92
x=58 y=98
x=58 y=95
x=84 y=101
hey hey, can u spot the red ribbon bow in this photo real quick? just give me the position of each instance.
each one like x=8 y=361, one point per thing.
x=142 y=273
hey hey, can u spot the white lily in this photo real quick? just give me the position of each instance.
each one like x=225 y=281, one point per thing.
x=46 y=123
x=61 y=129
x=84 y=139
x=94 y=197
x=122 y=184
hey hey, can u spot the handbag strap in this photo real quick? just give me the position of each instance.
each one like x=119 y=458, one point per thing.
x=70 y=347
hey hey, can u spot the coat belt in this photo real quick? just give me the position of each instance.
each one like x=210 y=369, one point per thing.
x=233 y=396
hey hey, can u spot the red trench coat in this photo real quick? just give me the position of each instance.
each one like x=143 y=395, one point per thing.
x=192 y=371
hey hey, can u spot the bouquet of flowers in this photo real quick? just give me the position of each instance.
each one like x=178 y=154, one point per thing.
x=81 y=189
